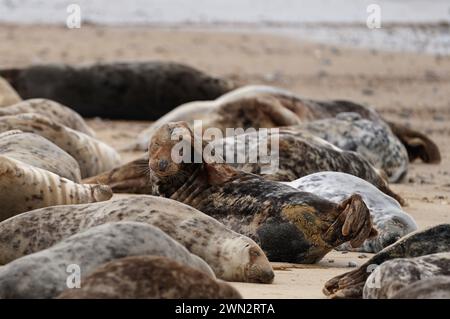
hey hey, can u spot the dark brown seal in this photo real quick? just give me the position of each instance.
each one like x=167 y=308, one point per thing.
x=149 y=277
x=132 y=90
x=429 y=241
x=289 y=225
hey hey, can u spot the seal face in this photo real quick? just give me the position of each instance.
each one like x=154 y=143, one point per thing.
x=36 y=151
x=372 y=140
x=429 y=241
x=54 y=111
x=132 y=90
x=44 y=274
x=24 y=187
x=391 y=276
x=390 y=221
x=290 y=225
x=430 y=288
x=93 y=156
x=149 y=277
x=232 y=256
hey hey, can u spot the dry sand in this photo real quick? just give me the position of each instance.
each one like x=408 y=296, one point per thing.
x=408 y=88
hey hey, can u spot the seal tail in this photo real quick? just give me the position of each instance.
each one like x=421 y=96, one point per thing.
x=132 y=177
x=416 y=143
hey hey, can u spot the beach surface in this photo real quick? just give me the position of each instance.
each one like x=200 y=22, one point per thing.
x=409 y=88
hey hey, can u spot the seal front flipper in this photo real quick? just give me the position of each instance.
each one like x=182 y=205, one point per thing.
x=417 y=144
x=132 y=177
x=353 y=223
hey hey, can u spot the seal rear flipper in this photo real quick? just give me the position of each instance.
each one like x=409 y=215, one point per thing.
x=416 y=143
x=346 y=286
x=353 y=223
x=132 y=177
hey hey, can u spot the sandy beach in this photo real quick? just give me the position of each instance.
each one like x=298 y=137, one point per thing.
x=409 y=88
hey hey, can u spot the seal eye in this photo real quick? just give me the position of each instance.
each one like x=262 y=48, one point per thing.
x=163 y=165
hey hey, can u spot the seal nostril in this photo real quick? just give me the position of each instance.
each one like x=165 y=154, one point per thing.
x=163 y=165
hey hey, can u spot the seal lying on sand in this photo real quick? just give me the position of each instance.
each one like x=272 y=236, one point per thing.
x=429 y=241
x=264 y=106
x=232 y=256
x=134 y=91
x=52 y=110
x=374 y=141
x=24 y=187
x=389 y=219
x=299 y=154
x=149 y=277
x=93 y=156
x=8 y=95
x=290 y=225
x=391 y=276
x=35 y=150
x=431 y=288
x=44 y=274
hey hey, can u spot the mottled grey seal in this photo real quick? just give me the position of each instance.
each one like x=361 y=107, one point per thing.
x=8 y=95
x=389 y=219
x=52 y=110
x=374 y=141
x=93 y=156
x=299 y=154
x=131 y=90
x=266 y=107
x=44 y=274
x=149 y=277
x=37 y=151
x=25 y=187
x=391 y=276
x=429 y=241
x=232 y=256
x=289 y=225
x=431 y=288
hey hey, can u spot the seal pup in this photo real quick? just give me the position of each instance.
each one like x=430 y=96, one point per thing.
x=429 y=241
x=52 y=110
x=431 y=288
x=390 y=221
x=93 y=156
x=374 y=141
x=232 y=256
x=391 y=276
x=44 y=274
x=34 y=150
x=299 y=154
x=24 y=187
x=8 y=95
x=131 y=90
x=289 y=225
x=149 y=277
x=266 y=107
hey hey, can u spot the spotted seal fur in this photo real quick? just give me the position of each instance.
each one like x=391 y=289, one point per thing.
x=390 y=221
x=265 y=107
x=391 y=276
x=374 y=141
x=93 y=156
x=52 y=110
x=120 y=90
x=289 y=225
x=44 y=274
x=429 y=241
x=431 y=288
x=232 y=256
x=149 y=277
x=36 y=151
x=25 y=187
